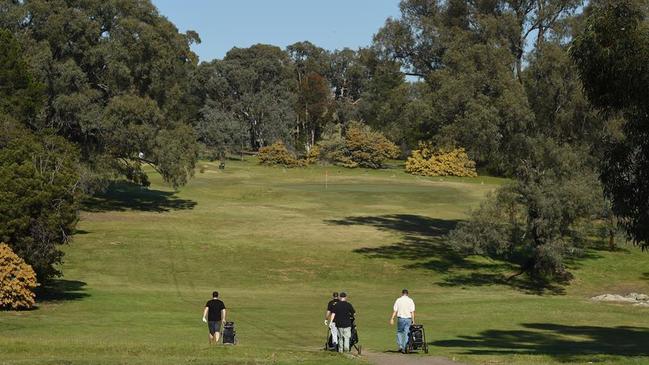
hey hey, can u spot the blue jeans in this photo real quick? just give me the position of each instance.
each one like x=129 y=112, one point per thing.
x=403 y=329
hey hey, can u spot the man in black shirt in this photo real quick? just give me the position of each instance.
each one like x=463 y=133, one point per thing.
x=330 y=308
x=342 y=315
x=214 y=316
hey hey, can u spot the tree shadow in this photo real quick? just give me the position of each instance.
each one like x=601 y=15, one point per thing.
x=60 y=290
x=562 y=342
x=424 y=243
x=123 y=195
x=601 y=245
x=422 y=240
x=524 y=284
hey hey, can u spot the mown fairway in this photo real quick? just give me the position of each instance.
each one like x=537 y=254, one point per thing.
x=275 y=242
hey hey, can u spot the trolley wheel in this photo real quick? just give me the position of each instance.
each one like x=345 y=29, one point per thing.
x=359 y=349
x=426 y=349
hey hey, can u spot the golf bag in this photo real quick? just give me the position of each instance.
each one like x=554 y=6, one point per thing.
x=417 y=338
x=229 y=334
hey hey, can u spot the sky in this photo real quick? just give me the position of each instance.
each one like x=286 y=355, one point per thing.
x=330 y=24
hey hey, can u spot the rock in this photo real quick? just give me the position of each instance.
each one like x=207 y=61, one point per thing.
x=613 y=298
x=642 y=297
x=636 y=299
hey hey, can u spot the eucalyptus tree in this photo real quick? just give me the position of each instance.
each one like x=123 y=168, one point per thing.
x=612 y=57
x=475 y=98
x=115 y=76
x=541 y=219
x=39 y=172
x=252 y=89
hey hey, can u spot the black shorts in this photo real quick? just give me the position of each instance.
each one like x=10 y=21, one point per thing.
x=214 y=326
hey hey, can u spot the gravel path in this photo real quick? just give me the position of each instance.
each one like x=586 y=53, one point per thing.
x=393 y=358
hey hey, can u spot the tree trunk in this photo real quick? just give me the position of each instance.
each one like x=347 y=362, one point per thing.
x=525 y=268
x=519 y=65
x=611 y=240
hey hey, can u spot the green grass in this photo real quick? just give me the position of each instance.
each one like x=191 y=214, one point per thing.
x=276 y=242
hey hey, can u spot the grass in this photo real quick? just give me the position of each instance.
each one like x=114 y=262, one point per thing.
x=276 y=242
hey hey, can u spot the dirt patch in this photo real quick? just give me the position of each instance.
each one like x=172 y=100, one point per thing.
x=640 y=300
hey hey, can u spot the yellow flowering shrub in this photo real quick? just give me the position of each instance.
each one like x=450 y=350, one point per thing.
x=278 y=154
x=428 y=161
x=368 y=148
x=17 y=281
x=312 y=156
x=359 y=146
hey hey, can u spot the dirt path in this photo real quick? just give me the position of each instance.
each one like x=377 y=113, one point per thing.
x=390 y=358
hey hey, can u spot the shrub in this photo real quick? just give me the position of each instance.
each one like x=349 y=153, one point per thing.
x=359 y=147
x=312 y=156
x=17 y=281
x=278 y=154
x=428 y=161
x=332 y=147
x=541 y=220
x=368 y=148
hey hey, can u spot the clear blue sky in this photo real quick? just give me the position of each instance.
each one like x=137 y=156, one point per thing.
x=331 y=24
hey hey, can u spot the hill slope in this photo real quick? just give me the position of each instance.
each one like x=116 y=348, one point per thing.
x=276 y=242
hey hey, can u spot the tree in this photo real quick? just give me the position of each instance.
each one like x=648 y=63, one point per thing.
x=466 y=62
x=521 y=19
x=479 y=105
x=314 y=107
x=254 y=85
x=92 y=55
x=538 y=221
x=612 y=56
x=221 y=131
x=555 y=93
x=389 y=104
x=40 y=180
x=342 y=75
x=39 y=173
x=20 y=95
x=348 y=74
x=308 y=58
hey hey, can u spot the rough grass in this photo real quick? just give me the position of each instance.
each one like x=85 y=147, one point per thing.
x=276 y=242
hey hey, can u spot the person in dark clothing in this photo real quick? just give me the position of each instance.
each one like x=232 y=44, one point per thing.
x=342 y=315
x=332 y=326
x=214 y=316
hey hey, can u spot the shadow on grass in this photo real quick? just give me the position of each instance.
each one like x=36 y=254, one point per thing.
x=523 y=283
x=121 y=196
x=424 y=243
x=61 y=290
x=562 y=342
x=645 y=276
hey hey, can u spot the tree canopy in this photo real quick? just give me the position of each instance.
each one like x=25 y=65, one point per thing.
x=102 y=59
x=612 y=56
x=39 y=172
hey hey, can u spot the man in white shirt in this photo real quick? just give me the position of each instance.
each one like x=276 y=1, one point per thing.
x=404 y=310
